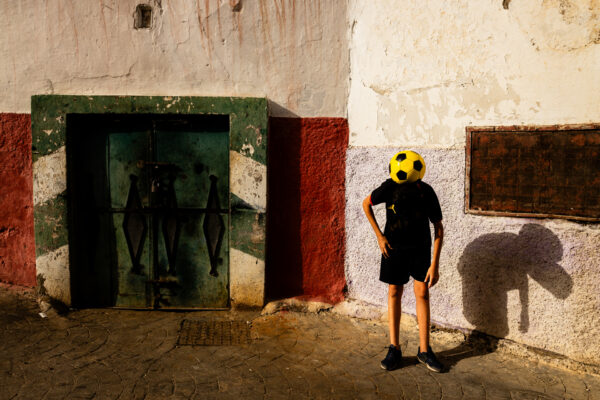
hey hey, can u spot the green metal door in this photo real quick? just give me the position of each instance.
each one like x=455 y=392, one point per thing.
x=168 y=185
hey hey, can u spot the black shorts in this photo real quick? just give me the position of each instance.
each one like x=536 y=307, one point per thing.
x=404 y=263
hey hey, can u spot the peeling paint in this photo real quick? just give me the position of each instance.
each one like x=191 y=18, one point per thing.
x=209 y=47
x=248 y=232
x=50 y=225
x=561 y=25
x=247 y=149
x=248 y=180
x=53 y=267
x=49 y=176
x=247 y=279
x=433 y=69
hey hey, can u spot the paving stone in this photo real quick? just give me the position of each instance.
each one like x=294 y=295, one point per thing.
x=111 y=354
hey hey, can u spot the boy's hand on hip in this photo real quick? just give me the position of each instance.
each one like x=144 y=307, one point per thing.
x=384 y=245
x=432 y=276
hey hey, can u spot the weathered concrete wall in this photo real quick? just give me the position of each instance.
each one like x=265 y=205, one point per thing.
x=305 y=248
x=420 y=74
x=422 y=71
x=17 y=247
x=294 y=53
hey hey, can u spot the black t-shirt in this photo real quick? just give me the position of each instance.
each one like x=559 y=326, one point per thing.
x=409 y=208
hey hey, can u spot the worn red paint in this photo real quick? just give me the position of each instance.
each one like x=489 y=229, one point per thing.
x=306 y=195
x=17 y=246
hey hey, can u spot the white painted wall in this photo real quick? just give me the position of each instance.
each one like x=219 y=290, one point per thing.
x=421 y=71
x=294 y=53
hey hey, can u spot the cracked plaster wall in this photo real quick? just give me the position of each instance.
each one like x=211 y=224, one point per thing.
x=294 y=53
x=420 y=73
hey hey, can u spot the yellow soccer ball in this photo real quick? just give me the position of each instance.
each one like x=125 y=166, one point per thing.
x=407 y=166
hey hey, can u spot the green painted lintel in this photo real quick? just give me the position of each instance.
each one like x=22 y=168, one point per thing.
x=248 y=116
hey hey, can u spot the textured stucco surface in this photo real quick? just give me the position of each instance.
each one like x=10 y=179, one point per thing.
x=423 y=71
x=246 y=279
x=17 y=247
x=50 y=176
x=238 y=48
x=305 y=252
x=248 y=180
x=534 y=281
x=53 y=277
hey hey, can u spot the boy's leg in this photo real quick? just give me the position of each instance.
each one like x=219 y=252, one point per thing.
x=425 y=355
x=422 y=298
x=393 y=359
x=394 y=312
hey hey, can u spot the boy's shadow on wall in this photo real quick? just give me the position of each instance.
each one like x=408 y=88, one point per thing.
x=490 y=267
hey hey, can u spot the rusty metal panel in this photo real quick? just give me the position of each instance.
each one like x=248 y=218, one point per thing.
x=550 y=171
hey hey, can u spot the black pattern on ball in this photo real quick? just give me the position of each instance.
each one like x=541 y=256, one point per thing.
x=417 y=165
x=402 y=175
x=401 y=157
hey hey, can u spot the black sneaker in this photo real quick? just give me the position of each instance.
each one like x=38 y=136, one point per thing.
x=429 y=359
x=393 y=360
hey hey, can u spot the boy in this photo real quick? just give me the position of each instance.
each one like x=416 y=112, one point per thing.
x=406 y=251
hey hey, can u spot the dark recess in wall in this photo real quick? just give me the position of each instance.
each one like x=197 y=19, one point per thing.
x=306 y=195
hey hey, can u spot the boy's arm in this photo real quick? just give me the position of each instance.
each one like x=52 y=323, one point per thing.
x=381 y=239
x=433 y=274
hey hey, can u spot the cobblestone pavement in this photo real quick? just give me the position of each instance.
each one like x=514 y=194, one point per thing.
x=117 y=354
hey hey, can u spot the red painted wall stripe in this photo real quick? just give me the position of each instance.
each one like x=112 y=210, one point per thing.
x=17 y=246
x=306 y=195
x=305 y=253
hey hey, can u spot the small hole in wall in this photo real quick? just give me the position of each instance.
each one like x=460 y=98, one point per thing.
x=236 y=5
x=143 y=17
